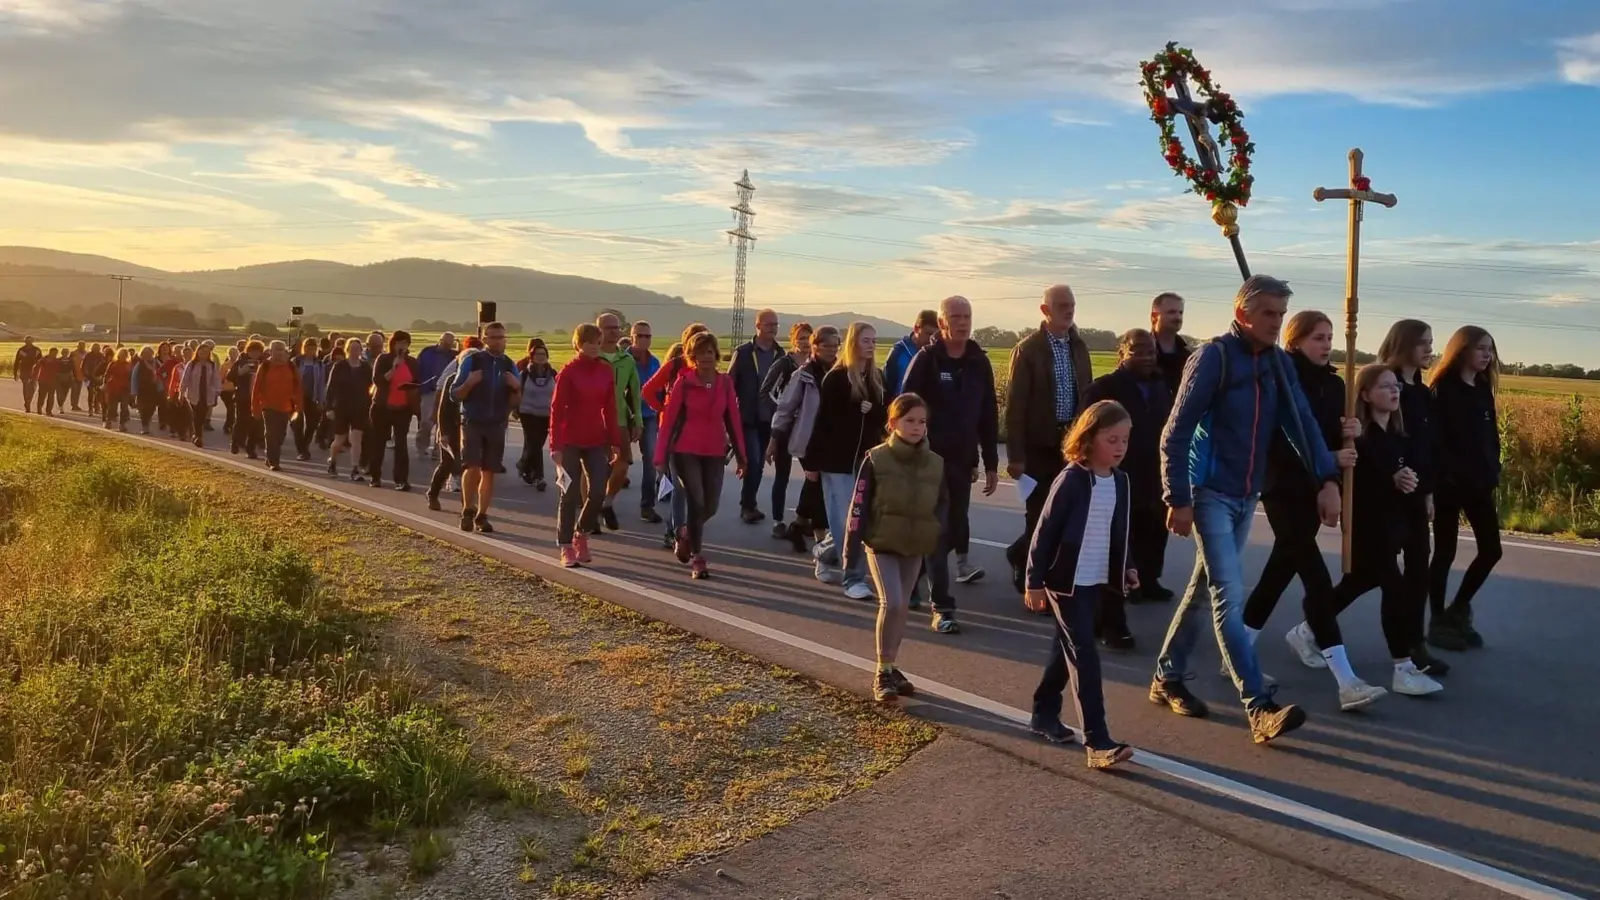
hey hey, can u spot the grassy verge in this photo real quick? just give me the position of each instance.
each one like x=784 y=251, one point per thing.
x=219 y=687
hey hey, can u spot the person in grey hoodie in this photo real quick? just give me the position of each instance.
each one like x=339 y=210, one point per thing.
x=538 y=388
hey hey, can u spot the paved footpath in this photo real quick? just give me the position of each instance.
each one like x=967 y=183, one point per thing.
x=1479 y=792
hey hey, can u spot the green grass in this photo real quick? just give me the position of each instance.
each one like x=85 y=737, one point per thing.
x=189 y=710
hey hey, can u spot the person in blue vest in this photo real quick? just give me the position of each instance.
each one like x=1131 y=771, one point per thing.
x=751 y=362
x=640 y=336
x=1238 y=392
x=487 y=388
x=901 y=354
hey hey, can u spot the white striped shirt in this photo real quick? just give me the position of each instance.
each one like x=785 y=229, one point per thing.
x=1094 y=553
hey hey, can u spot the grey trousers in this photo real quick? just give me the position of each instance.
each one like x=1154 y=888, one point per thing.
x=580 y=463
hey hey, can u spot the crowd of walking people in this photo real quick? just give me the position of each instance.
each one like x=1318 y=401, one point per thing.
x=1179 y=438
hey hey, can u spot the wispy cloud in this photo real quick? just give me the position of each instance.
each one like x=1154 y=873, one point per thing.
x=1067 y=119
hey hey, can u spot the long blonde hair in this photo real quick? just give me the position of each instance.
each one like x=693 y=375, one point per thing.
x=866 y=383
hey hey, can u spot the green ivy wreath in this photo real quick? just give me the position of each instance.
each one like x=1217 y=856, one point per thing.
x=1161 y=73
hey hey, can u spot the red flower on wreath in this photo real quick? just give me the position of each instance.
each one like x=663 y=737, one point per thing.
x=1166 y=68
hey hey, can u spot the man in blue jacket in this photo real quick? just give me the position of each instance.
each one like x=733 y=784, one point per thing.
x=1238 y=391
x=751 y=361
x=430 y=363
x=894 y=368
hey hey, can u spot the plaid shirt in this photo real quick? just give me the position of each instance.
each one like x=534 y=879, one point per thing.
x=1066 y=379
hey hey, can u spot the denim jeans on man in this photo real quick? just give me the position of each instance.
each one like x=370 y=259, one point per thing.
x=1221 y=530
x=838 y=493
x=649 y=430
x=756 y=438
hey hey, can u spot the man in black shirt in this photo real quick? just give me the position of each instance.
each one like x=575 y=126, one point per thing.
x=22 y=370
x=1166 y=320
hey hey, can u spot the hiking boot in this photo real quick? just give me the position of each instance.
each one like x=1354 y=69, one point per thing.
x=580 y=548
x=1271 y=721
x=1468 y=633
x=883 y=687
x=698 y=569
x=797 y=538
x=1108 y=756
x=1444 y=633
x=433 y=502
x=1427 y=663
x=1051 y=730
x=751 y=515
x=945 y=623
x=569 y=558
x=481 y=524
x=1176 y=696
x=609 y=516
x=649 y=517
x=966 y=572
x=902 y=684
x=468 y=515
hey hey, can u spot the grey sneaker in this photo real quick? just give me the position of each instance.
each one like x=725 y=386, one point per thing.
x=966 y=572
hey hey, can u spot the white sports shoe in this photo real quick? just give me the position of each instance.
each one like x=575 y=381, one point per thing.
x=1305 y=647
x=859 y=591
x=1408 y=681
x=828 y=574
x=1360 y=694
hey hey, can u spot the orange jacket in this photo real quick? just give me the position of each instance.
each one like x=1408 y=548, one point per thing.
x=276 y=387
x=175 y=382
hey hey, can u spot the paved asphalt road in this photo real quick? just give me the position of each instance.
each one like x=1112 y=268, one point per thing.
x=1491 y=771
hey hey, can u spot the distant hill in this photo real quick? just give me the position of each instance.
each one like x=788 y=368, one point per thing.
x=395 y=293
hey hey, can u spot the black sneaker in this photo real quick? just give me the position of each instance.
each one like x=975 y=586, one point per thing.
x=433 y=503
x=1119 y=643
x=1051 y=730
x=1427 y=663
x=884 y=689
x=333 y=468
x=1175 y=695
x=481 y=523
x=1469 y=634
x=1155 y=593
x=467 y=517
x=751 y=515
x=527 y=476
x=1444 y=634
x=649 y=517
x=303 y=457
x=797 y=539
x=1108 y=756
x=1272 y=721
x=403 y=488
x=902 y=684
x=609 y=516
x=1018 y=574
x=539 y=485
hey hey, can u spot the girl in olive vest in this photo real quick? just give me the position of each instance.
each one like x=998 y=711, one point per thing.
x=1080 y=552
x=895 y=517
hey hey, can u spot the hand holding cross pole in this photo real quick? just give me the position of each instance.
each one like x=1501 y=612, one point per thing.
x=1360 y=192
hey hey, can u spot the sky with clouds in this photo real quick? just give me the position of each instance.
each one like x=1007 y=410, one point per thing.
x=902 y=150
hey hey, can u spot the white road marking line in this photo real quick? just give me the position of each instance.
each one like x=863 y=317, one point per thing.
x=1462 y=867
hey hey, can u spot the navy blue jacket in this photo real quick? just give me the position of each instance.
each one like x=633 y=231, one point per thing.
x=963 y=412
x=431 y=363
x=1234 y=398
x=1053 y=555
x=748 y=370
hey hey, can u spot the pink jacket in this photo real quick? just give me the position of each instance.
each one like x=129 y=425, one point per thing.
x=706 y=414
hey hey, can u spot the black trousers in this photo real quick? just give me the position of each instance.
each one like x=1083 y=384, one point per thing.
x=117 y=409
x=77 y=393
x=389 y=424
x=228 y=414
x=276 y=425
x=1449 y=505
x=305 y=427
x=535 y=431
x=199 y=416
x=782 y=467
x=246 y=427
x=1074 y=658
x=29 y=386
x=1147 y=542
x=1295 y=554
x=1382 y=571
x=958 y=484
x=811 y=505
x=449 y=460
x=1415 y=559
x=1043 y=465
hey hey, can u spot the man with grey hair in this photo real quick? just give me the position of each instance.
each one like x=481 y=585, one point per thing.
x=430 y=364
x=1238 y=391
x=751 y=362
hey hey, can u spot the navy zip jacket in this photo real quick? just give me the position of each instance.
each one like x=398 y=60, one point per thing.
x=1053 y=555
x=963 y=413
x=1234 y=398
x=431 y=363
x=749 y=368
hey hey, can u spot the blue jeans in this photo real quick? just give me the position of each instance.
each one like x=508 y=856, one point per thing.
x=756 y=438
x=648 y=477
x=838 y=493
x=1221 y=529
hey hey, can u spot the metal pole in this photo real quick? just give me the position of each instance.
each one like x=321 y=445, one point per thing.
x=121 y=280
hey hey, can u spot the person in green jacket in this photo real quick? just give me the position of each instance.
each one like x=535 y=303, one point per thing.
x=629 y=418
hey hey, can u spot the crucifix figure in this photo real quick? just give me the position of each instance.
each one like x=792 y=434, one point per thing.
x=1359 y=193
x=1199 y=116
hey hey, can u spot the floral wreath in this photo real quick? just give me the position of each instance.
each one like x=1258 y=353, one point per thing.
x=1218 y=107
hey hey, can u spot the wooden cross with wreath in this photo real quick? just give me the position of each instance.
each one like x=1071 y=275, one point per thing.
x=1175 y=68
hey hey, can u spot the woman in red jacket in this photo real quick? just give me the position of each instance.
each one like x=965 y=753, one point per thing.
x=584 y=441
x=700 y=421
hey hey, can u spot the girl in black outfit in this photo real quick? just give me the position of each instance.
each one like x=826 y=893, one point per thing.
x=1290 y=500
x=1464 y=384
x=1384 y=482
x=349 y=385
x=1408 y=350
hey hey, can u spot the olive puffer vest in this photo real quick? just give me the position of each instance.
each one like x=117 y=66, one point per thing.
x=907 y=480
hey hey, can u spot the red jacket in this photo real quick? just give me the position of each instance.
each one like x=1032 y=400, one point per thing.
x=583 y=412
x=47 y=368
x=707 y=415
x=119 y=376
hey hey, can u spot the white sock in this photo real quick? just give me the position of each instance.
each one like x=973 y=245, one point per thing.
x=1252 y=634
x=1339 y=665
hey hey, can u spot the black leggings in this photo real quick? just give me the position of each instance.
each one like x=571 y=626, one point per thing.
x=389 y=423
x=1449 y=505
x=535 y=432
x=1295 y=525
x=1379 y=570
x=700 y=479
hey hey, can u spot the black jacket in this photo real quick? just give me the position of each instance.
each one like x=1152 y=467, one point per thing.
x=1053 y=553
x=348 y=386
x=842 y=435
x=1416 y=411
x=1149 y=402
x=1468 y=433
x=777 y=378
x=1171 y=364
x=963 y=413
x=381 y=368
x=1379 y=522
x=1324 y=390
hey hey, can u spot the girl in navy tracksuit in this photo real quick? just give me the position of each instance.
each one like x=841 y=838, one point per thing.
x=1079 y=549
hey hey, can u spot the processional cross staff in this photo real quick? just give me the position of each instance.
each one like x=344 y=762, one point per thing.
x=1359 y=193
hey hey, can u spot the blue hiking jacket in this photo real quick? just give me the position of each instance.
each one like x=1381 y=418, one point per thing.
x=430 y=365
x=894 y=368
x=1231 y=402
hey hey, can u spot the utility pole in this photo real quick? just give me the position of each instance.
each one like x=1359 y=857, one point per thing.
x=742 y=214
x=120 y=280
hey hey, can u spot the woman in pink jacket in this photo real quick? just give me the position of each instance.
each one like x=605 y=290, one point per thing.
x=699 y=423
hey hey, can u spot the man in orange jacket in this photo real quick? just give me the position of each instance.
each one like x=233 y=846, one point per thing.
x=275 y=398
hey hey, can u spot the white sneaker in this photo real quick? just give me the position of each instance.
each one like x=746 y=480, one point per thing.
x=1359 y=694
x=1409 y=681
x=859 y=591
x=1305 y=647
x=1266 y=680
x=828 y=574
